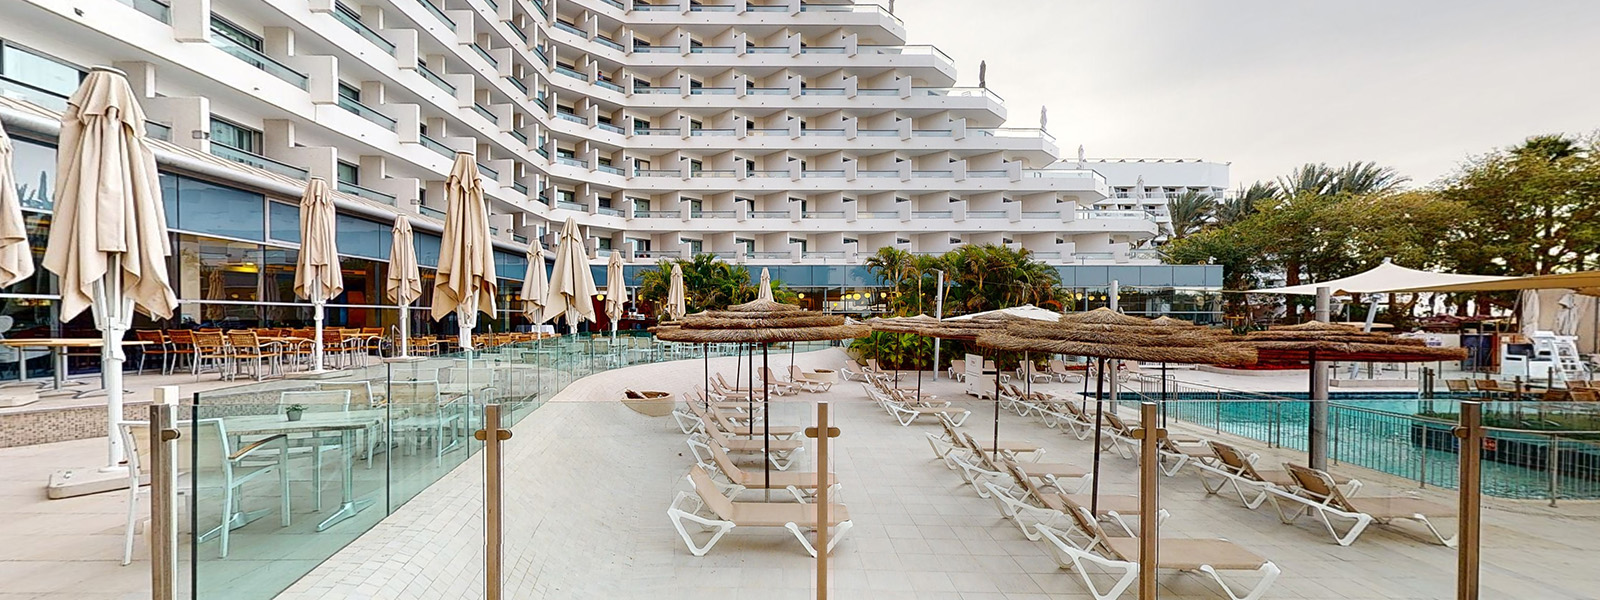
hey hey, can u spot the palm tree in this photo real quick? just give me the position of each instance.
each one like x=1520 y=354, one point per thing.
x=1189 y=212
x=1361 y=178
x=1245 y=202
x=1315 y=179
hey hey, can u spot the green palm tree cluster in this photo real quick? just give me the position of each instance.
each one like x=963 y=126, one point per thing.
x=977 y=278
x=708 y=284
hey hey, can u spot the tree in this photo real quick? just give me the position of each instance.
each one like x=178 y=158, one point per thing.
x=1189 y=212
x=1244 y=202
x=708 y=284
x=1532 y=209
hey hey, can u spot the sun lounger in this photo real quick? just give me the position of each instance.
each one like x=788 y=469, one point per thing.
x=688 y=417
x=1121 y=556
x=978 y=464
x=1055 y=412
x=1317 y=493
x=951 y=441
x=1050 y=506
x=715 y=460
x=1121 y=436
x=1252 y=485
x=781 y=451
x=1029 y=372
x=806 y=381
x=906 y=412
x=1063 y=375
x=714 y=512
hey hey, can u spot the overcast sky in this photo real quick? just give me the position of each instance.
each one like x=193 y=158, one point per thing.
x=1271 y=84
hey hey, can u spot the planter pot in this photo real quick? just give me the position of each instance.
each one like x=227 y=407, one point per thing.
x=649 y=403
x=294 y=415
x=825 y=375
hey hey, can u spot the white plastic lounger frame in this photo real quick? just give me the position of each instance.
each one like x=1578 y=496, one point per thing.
x=1026 y=515
x=1126 y=571
x=1337 y=505
x=687 y=506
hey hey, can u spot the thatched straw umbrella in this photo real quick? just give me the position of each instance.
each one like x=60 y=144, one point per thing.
x=1316 y=341
x=947 y=329
x=760 y=322
x=1108 y=335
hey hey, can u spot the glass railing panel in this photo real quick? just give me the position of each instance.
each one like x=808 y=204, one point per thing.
x=365 y=31
x=159 y=11
x=609 y=43
x=485 y=54
x=571 y=73
x=438 y=14
x=434 y=145
x=485 y=112
x=258 y=161
x=517 y=83
x=370 y=194
x=429 y=211
x=608 y=85
x=435 y=79
x=259 y=60
x=367 y=113
x=492 y=174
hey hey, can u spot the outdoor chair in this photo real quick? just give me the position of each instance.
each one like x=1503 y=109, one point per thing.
x=1458 y=386
x=951 y=441
x=711 y=511
x=852 y=371
x=689 y=421
x=1031 y=373
x=781 y=453
x=1064 y=375
x=715 y=459
x=1585 y=395
x=1121 y=439
x=958 y=369
x=1050 y=506
x=158 y=347
x=417 y=408
x=246 y=346
x=1055 y=412
x=1316 y=492
x=211 y=347
x=1238 y=470
x=181 y=344
x=981 y=464
x=808 y=381
x=1121 y=556
x=906 y=413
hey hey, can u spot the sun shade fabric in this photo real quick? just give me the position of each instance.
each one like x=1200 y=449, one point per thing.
x=571 y=284
x=676 y=306
x=466 y=258
x=535 y=285
x=317 y=267
x=403 y=285
x=948 y=329
x=1585 y=282
x=108 y=201
x=616 y=289
x=1215 y=354
x=1387 y=277
x=16 y=259
x=765 y=293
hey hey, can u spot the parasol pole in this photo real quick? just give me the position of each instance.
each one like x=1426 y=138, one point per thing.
x=112 y=312
x=766 y=427
x=317 y=319
x=405 y=330
x=1317 y=410
x=705 y=353
x=1099 y=397
x=996 y=448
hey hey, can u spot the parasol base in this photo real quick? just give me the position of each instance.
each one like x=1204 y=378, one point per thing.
x=70 y=483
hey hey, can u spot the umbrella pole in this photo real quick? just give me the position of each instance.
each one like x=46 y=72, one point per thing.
x=996 y=448
x=705 y=353
x=766 y=426
x=405 y=331
x=1163 y=394
x=1099 y=397
x=111 y=314
x=316 y=319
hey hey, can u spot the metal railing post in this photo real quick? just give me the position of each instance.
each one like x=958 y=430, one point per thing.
x=163 y=455
x=1149 y=435
x=822 y=432
x=1470 y=432
x=491 y=435
x=1554 y=464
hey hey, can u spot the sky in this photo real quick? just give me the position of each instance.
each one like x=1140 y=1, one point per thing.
x=1268 y=85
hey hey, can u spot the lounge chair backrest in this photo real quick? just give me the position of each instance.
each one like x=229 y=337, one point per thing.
x=958 y=365
x=1585 y=396
x=1057 y=366
x=1319 y=484
x=712 y=431
x=1457 y=385
x=724 y=463
x=978 y=449
x=715 y=501
x=796 y=373
x=949 y=429
x=1024 y=480
x=1115 y=422
x=1233 y=459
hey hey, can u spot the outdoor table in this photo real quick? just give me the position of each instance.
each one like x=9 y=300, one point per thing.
x=344 y=422
x=58 y=348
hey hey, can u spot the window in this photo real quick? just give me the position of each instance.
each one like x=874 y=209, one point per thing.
x=640 y=125
x=605 y=202
x=695 y=246
x=353 y=93
x=236 y=136
x=748 y=245
x=603 y=243
x=348 y=174
x=799 y=242
x=695 y=125
x=235 y=33
x=38 y=72
x=639 y=245
x=640 y=205
x=347 y=11
x=219 y=210
x=566 y=196
x=694 y=167
x=694 y=208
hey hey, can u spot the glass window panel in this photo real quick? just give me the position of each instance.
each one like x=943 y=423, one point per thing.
x=285 y=221
x=37 y=70
x=234 y=135
x=218 y=270
x=360 y=237
x=278 y=287
x=223 y=211
x=348 y=173
x=169 y=198
x=235 y=33
x=511 y=266
x=35 y=167
x=427 y=250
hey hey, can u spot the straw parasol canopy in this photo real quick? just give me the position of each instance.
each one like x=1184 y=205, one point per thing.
x=16 y=259
x=571 y=284
x=1316 y=340
x=761 y=321
x=404 y=282
x=616 y=290
x=109 y=241
x=676 y=308
x=948 y=329
x=535 y=285
x=765 y=291
x=465 y=283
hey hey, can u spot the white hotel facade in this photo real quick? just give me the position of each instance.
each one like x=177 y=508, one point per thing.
x=801 y=136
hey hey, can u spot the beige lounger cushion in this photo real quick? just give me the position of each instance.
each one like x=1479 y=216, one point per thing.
x=1186 y=554
x=1057 y=470
x=774 y=514
x=1400 y=507
x=744 y=445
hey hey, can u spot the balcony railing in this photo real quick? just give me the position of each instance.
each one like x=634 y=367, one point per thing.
x=637 y=49
x=572 y=162
x=823 y=214
x=361 y=28
x=766 y=91
x=608 y=85
x=765 y=49
x=822 y=50
x=657 y=131
x=878 y=132
x=715 y=214
x=12 y=88
x=822 y=173
x=610 y=212
x=986 y=214
x=822 y=91
x=439 y=14
x=931 y=133
x=572 y=29
x=987 y=173
x=607 y=42
x=566 y=116
x=656 y=214
x=158 y=131
x=435 y=79
x=932 y=214
x=769 y=173
x=877 y=92
x=713 y=50
x=517 y=83
x=645 y=89
x=1041 y=214
x=712 y=132
x=642 y=7
x=485 y=54
x=367 y=113
x=713 y=173
x=159 y=11
x=258 y=161
x=1059 y=173
x=915 y=50
x=538 y=6
x=434 y=145
x=768 y=214
x=492 y=174
x=957 y=92
x=571 y=73
x=259 y=60
x=657 y=173
x=1113 y=214
x=608 y=127
x=712 y=91
x=539 y=52
x=374 y=195
x=877 y=173
x=933 y=174
x=428 y=211
x=770 y=255
x=766 y=8
x=520 y=136
x=520 y=187
x=768 y=131
x=711 y=8
x=878 y=214
x=608 y=169
x=485 y=112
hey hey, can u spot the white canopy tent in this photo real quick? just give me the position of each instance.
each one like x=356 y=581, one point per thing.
x=1026 y=311
x=1384 y=278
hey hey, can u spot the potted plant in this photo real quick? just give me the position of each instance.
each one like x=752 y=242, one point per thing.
x=293 y=411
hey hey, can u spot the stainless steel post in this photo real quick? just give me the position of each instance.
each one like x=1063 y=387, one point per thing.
x=1470 y=432
x=491 y=435
x=1553 y=462
x=938 y=309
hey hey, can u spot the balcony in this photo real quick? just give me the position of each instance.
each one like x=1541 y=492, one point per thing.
x=608 y=85
x=768 y=131
x=159 y=11
x=435 y=79
x=823 y=132
x=361 y=28
x=642 y=7
x=367 y=113
x=878 y=214
x=637 y=49
x=538 y=6
x=485 y=113
x=438 y=14
x=878 y=133
x=712 y=132
x=492 y=174
x=657 y=131
x=932 y=214
x=917 y=50
x=572 y=29
x=988 y=173
x=878 y=173
x=822 y=50
x=428 y=211
x=608 y=127
x=768 y=214
x=374 y=195
x=784 y=173
x=434 y=145
x=823 y=214
x=1113 y=214
x=543 y=57
x=157 y=131
x=713 y=50
x=1041 y=214
x=644 y=89
x=986 y=214
x=259 y=60
x=608 y=169
x=958 y=92
x=711 y=8
x=933 y=174
x=712 y=91
x=1014 y=132
x=657 y=173
x=931 y=133
x=566 y=116
x=258 y=161
x=485 y=54
x=517 y=83
x=766 y=91
x=563 y=204
x=656 y=214
x=520 y=187
x=721 y=173
x=814 y=173
x=607 y=42
x=765 y=49
x=520 y=136
x=766 y=8
x=571 y=73
x=877 y=92
x=610 y=212
x=827 y=91
x=572 y=162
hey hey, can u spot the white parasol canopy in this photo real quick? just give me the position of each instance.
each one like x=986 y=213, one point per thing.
x=109 y=243
x=1529 y=315
x=16 y=259
x=765 y=292
x=534 y=285
x=1026 y=311
x=465 y=283
x=1387 y=277
x=571 y=284
x=616 y=291
x=676 y=306
x=317 y=276
x=404 y=283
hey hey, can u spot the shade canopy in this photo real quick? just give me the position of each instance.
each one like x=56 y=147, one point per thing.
x=571 y=284
x=404 y=282
x=465 y=282
x=317 y=276
x=765 y=292
x=16 y=259
x=1585 y=282
x=1104 y=333
x=108 y=202
x=949 y=329
x=761 y=321
x=676 y=307
x=535 y=284
x=1026 y=311
x=1387 y=277
x=1316 y=340
x=616 y=289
